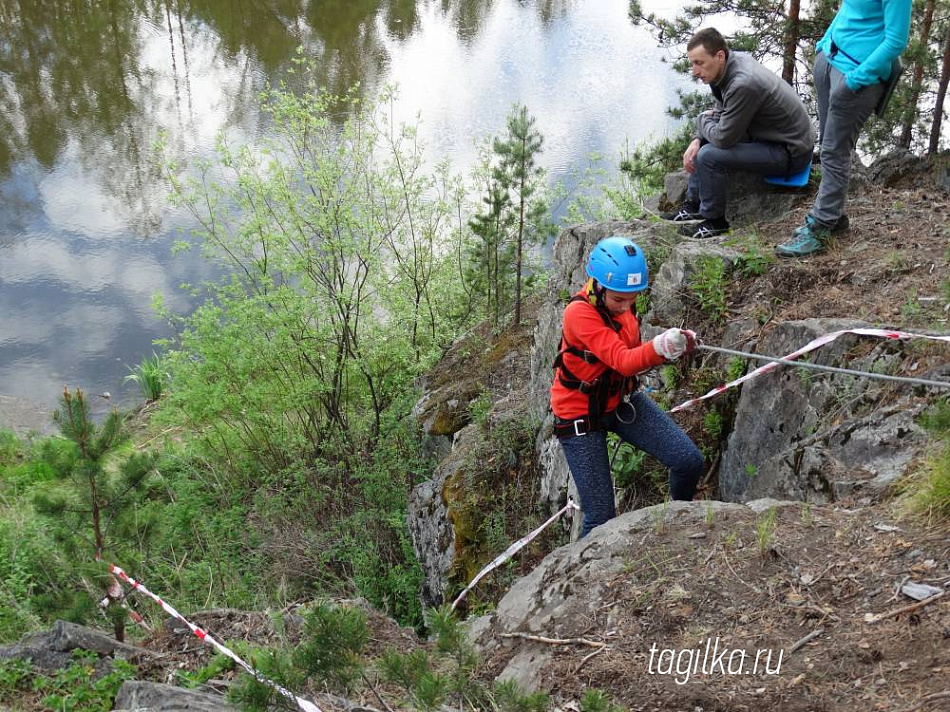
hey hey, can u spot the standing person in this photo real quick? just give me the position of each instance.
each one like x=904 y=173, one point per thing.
x=595 y=382
x=758 y=124
x=852 y=62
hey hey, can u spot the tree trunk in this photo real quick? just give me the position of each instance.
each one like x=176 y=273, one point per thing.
x=941 y=95
x=520 y=244
x=793 y=27
x=918 y=81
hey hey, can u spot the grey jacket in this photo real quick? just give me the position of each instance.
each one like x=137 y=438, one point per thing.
x=755 y=104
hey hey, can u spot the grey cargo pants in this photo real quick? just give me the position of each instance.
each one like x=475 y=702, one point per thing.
x=842 y=114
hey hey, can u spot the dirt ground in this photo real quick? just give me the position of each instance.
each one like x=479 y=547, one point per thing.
x=824 y=580
x=888 y=268
x=827 y=572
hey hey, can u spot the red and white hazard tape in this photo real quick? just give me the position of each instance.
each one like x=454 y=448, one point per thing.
x=514 y=549
x=115 y=594
x=206 y=637
x=810 y=346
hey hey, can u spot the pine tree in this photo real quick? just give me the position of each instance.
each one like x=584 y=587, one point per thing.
x=917 y=53
x=941 y=95
x=89 y=496
x=490 y=252
x=517 y=171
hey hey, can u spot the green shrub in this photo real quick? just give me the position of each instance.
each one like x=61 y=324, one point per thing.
x=150 y=376
x=16 y=677
x=753 y=260
x=937 y=418
x=707 y=284
x=595 y=700
x=627 y=464
x=72 y=688
x=404 y=669
x=712 y=422
x=510 y=698
x=251 y=694
x=765 y=530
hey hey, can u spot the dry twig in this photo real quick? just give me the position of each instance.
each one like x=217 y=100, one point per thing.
x=379 y=697
x=738 y=578
x=807 y=639
x=555 y=641
x=588 y=657
x=926 y=699
x=906 y=609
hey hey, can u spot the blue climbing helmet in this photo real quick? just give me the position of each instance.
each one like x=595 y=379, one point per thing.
x=618 y=264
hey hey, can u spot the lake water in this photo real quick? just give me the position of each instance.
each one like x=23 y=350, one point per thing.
x=87 y=87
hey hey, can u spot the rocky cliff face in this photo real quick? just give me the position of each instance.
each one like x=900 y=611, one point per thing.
x=798 y=435
x=795 y=434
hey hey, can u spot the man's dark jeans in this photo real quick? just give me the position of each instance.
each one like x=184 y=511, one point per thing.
x=707 y=184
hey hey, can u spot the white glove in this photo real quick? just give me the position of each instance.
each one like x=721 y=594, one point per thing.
x=673 y=343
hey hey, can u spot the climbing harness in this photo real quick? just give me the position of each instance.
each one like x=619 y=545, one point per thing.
x=599 y=390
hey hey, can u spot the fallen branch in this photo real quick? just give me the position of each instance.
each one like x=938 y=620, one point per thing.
x=379 y=697
x=905 y=609
x=588 y=657
x=555 y=641
x=926 y=699
x=804 y=641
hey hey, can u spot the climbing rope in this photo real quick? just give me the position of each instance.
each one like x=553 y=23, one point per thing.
x=830 y=369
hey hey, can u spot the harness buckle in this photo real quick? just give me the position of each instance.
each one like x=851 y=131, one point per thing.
x=587 y=387
x=577 y=423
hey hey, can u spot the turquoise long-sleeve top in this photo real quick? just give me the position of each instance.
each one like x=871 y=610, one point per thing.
x=869 y=35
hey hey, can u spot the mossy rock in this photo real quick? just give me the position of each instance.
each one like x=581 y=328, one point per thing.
x=447 y=409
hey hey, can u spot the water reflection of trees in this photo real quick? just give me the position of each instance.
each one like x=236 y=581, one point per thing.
x=75 y=71
x=71 y=75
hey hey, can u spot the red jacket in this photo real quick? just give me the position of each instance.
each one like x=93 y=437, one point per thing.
x=622 y=352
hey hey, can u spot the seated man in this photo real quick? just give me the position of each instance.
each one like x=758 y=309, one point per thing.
x=758 y=124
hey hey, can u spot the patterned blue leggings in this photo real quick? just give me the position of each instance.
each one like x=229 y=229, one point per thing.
x=652 y=431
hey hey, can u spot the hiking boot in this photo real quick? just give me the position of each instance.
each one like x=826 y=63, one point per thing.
x=707 y=228
x=810 y=238
x=683 y=213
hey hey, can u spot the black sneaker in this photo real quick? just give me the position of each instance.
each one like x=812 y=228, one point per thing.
x=707 y=228
x=683 y=213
